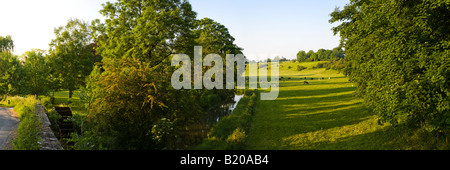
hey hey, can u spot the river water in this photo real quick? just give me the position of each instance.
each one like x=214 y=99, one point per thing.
x=196 y=132
x=231 y=106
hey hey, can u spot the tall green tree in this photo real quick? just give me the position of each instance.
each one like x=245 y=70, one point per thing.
x=314 y=57
x=6 y=43
x=71 y=54
x=398 y=52
x=215 y=38
x=337 y=53
x=309 y=54
x=11 y=71
x=321 y=54
x=301 y=56
x=37 y=72
x=134 y=104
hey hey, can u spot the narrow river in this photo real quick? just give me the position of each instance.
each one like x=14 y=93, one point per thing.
x=196 y=132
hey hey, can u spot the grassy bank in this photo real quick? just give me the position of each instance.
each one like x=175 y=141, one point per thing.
x=231 y=131
x=28 y=131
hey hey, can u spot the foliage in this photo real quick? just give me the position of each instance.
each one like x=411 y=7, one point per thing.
x=237 y=139
x=46 y=102
x=36 y=73
x=32 y=74
x=132 y=93
x=23 y=105
x=29 y=76
x=71 y=56
x=300 y=68
x=88 y=141
x=29 y=127
x=54 y=118
x=321 y=55
x=398 y=53
x=6 y=43
x=161 y=129
x=215 y=38
x=128 y=95
x=337 y=65
x=232 y=130
x=128 y=102
x=12 y=72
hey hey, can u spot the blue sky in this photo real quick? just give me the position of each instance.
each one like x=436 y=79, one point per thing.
x=264 y=28
x=269 y=28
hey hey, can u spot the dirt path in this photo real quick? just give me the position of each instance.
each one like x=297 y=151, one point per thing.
x=8 y=123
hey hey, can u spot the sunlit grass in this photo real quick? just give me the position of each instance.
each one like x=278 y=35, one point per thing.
x=62 y=100
x=62 y=97
x=322 y=115
x=329 y=138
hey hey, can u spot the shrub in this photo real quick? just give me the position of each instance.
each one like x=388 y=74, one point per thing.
x=88 y=141
x=320 y=65
x=54 y=118
x=46 y=102
x=23 y=105
x=27 y=133
x=52 y=100
x=29 y=127
x=237 y=139
x=300 y=68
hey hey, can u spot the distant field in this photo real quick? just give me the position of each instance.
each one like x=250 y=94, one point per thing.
x=62 y=98
x=321 y=115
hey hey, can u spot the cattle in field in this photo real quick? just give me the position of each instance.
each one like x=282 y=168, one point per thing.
x=305 y=82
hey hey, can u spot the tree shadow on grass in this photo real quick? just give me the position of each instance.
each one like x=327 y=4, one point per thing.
x=319 y=113
x=286 y=93
x=381 y=139
x=301 y=83
x=327 y=117
x=348 y=129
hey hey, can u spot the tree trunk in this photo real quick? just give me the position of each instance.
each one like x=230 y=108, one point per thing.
x=70 y=96
x=70 y=93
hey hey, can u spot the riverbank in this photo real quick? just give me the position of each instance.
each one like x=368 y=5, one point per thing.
x=232 y=130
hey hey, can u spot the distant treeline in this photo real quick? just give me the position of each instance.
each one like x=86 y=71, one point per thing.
x=321 y=55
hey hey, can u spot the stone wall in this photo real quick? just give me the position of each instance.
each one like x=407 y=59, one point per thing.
x=48 y=139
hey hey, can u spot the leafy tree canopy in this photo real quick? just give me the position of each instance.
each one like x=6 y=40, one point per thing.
x=71 y=55
x=6 y=43
x=398 y=52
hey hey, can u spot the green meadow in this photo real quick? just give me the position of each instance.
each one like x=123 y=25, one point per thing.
x=323 y=114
